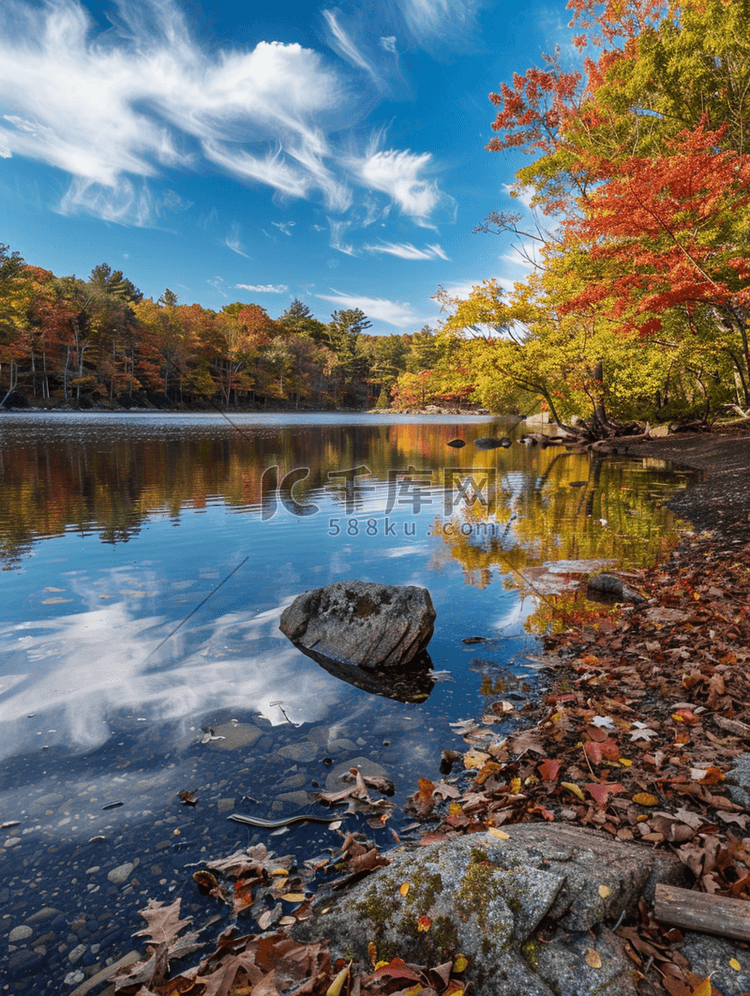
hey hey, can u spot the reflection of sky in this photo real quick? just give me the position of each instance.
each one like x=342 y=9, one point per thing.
x=83 y=618
x=78 y=668
x=80 y=618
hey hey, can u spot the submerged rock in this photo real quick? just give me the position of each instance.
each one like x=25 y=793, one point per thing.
x=409 y=684
x=371 y=626
x=492 y=443
x=608 y=588
x=525 y=911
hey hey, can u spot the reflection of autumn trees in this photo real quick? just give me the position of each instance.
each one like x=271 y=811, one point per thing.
x=560 y=507
x=109 y=481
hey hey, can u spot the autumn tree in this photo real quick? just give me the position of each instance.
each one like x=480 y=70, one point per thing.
x=13 y=304
x=640 y=168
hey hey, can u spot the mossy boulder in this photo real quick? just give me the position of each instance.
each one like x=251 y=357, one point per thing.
x=526 y=911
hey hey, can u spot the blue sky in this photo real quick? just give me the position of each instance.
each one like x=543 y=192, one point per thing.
x=262 y=152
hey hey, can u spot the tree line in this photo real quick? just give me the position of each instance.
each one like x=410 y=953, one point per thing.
x=73 y=341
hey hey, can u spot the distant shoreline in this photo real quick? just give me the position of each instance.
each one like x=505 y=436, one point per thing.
x=24 y=404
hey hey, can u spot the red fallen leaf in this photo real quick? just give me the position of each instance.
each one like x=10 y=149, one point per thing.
x=423 y=923
x=686 y=716
x=605 y=749
x=596 y=733
x=601 y=791
x=545 y=813
x=396 y=969
x=549 y=770
x=593 y=751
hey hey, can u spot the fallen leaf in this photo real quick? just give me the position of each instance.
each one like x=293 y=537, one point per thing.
x=604 y=891
x=475 y=759
x=645 y=799
x=642 y=732
x=686 y=716
x=498 y=834
x=396 y=969
x=404 y=889
x=574 y=789
x=338 y=983
x=593 y=959
x=549 y=770
x=601 y=791
x=707 y=776
x=423 y=923
x=604 y=722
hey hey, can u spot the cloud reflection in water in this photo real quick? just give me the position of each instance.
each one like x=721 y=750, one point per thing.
x=76 y=671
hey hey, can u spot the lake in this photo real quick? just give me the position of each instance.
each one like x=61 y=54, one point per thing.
x=146 y=561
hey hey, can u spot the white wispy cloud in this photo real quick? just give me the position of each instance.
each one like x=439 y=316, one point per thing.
x=116 y=110
x=395 y=313
x=343 y=43
x=284 y=226
x=388 y=43
x=263 y=288
x=216 y=283
x=338 y=228
x=405 y=250
x=438 y=19
x=399 y=174
x=232 y=240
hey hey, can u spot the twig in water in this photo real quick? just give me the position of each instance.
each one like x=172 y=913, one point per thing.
x=198 y=606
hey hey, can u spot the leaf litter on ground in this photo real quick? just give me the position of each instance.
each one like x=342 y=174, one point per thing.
x=647 y=707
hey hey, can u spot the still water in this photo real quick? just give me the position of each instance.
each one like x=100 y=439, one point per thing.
x=146 y=562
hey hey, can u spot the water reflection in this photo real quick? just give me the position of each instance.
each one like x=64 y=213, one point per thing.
x=412 y=683
x=125 y=627
x=394 y=503
x=79 y=672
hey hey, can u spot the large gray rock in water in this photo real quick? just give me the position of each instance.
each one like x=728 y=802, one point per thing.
x=527 y=912
x=373 y=626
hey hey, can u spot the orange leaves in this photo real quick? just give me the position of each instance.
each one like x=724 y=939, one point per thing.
x=662 y=222
x=686 y=716
x=597 y=751
x=593 y=958
x=533 y=108
x=423 y=801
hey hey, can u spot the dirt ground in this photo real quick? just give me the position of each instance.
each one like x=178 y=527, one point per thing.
x=721 y=501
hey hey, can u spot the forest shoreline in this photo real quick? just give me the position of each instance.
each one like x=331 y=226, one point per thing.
x=139 y=406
